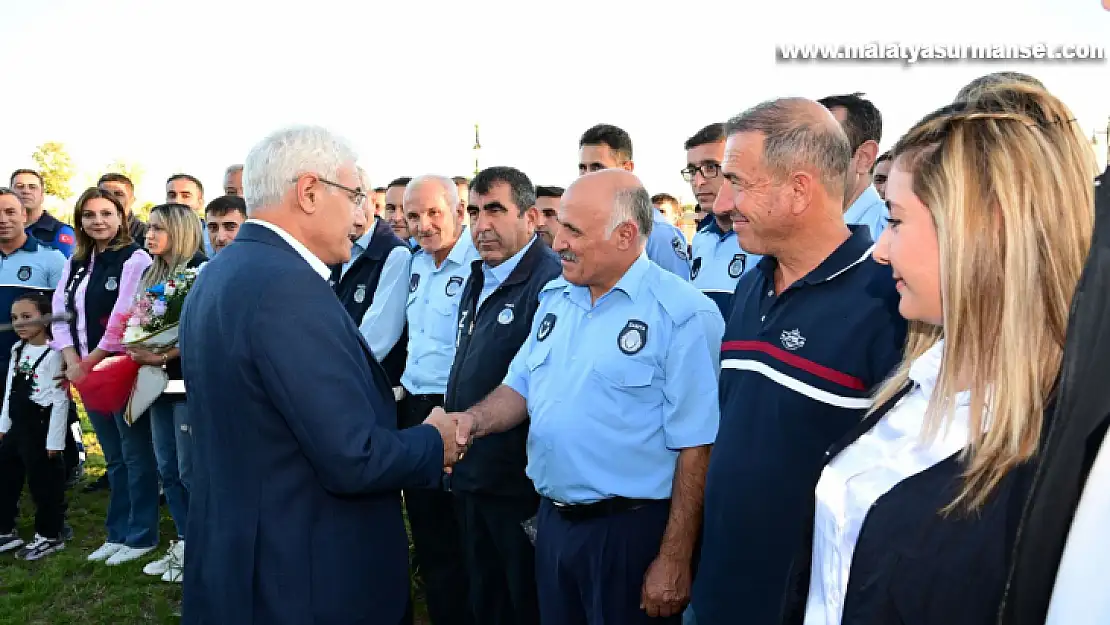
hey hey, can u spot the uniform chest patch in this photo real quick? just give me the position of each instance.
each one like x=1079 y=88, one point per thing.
x=736 y=267
x=546 y=326
x=454 y=285
x=505 y=317
x=24 y=273
x=696 y=268
x=360 y=294
x=414 y=282
x=111 y=284
x=679 y=248
x=633 y=337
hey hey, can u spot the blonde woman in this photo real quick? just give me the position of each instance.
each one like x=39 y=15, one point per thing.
x=173 y=240
x=916 y=510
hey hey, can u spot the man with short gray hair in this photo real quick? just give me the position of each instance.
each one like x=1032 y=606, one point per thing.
x=619 y=378
x=812 y=329
x=233 y=181
x=300 y=464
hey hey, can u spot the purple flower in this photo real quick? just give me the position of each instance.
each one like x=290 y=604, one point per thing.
x=159 y=308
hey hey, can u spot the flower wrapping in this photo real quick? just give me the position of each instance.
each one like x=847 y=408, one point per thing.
x=107 y=387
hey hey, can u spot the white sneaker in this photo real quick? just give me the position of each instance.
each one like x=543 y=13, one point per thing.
x=159 y=566
x=10 y=542
x=107 y=550
x=174 y=574
x=127 y=554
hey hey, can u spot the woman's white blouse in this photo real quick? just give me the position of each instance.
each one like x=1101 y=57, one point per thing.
x=855 y=479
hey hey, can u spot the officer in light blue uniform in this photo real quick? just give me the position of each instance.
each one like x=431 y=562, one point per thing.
x=437 y=276
x=605 y=146
x=619 y=378
x=718 y=263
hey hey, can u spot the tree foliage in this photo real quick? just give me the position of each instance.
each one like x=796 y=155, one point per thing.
x=56 y=168
x=134 y=171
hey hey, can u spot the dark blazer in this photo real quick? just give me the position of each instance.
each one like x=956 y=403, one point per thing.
x=1075 y=435
x=913 y=564
x=298 y=464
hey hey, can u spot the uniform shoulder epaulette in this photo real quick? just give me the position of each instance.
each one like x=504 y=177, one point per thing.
x=679 y=298
x=557 y=284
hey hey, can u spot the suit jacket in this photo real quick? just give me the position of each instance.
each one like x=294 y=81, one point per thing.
x=1074 y=437
x=298 y=463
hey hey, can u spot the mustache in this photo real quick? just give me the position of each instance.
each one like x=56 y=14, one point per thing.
x=488 y=238
x=568 y=256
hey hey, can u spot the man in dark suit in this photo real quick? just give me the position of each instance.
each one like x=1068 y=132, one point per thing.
x=298 y=461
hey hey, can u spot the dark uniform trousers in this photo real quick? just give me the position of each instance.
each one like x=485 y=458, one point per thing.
x=591 y=561
x=501 y=561
x=23 y=451
x=435 y=534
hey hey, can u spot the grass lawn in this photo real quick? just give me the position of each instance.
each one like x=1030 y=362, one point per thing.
x=65 y=589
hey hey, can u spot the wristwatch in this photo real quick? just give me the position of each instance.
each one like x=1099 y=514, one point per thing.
x=165 y=359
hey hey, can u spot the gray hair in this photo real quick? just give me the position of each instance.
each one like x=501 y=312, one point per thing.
x=795 y=139
x=633 y=204
x=231 y=169
x=447 y=186
x=973 y=89
x=276 y=161
x=363 y=180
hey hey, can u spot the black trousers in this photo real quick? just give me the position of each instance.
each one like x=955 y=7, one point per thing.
x=23 y=453
x=500 y=559
x=591 y=572
x=435 y=534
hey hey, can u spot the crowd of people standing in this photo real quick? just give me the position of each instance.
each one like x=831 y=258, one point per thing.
x=828 y=407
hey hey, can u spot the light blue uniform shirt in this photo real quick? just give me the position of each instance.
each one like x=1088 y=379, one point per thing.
x=432 y=311
x=868 y=210
x=617 y=387
x=718 y=263
x=494 y=276
x=666 y=246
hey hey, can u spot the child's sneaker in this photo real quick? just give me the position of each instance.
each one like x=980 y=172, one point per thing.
x=10 y=542
x=39 y=548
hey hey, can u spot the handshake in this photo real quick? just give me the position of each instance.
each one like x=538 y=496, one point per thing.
x=457 y=431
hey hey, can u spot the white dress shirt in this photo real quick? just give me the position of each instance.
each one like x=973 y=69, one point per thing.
x=318 y=265
x=855 y=479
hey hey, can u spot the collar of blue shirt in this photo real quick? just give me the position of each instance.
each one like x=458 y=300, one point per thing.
x=458 y=253
x=867 y=199
x=363 y=242
x=854 y=250
x=631 y=284
x=715 y=228
x=497 y=275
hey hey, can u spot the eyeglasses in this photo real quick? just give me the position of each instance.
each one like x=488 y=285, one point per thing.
x=708 y=170
x=357 y=195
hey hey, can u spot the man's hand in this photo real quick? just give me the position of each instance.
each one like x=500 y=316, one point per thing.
x=443 y=422
x=666 y=589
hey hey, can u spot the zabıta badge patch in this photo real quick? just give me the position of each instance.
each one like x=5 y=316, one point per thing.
x=633 y=337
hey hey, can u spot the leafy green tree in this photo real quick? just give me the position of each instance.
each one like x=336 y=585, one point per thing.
x=134 y=171
x=56 y=168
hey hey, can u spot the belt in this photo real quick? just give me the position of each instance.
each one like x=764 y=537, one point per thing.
x=603 y=508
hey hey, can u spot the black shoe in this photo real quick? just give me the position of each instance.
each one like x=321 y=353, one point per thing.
x=101 y=483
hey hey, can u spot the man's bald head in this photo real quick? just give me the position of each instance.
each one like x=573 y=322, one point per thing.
x=606 y=217
x=799 y=134
x=622 y=193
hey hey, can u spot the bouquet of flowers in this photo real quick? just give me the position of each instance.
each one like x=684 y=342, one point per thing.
x=152 y=324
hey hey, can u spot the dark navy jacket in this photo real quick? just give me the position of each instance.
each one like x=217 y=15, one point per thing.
x=486 y=341
x=100 y=294
x=912 y=563
x=298 y=464
x=54 y=234
x=363 y=276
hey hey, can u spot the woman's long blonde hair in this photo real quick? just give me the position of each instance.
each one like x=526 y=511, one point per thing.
x=183 y=230
x=1008 y=180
